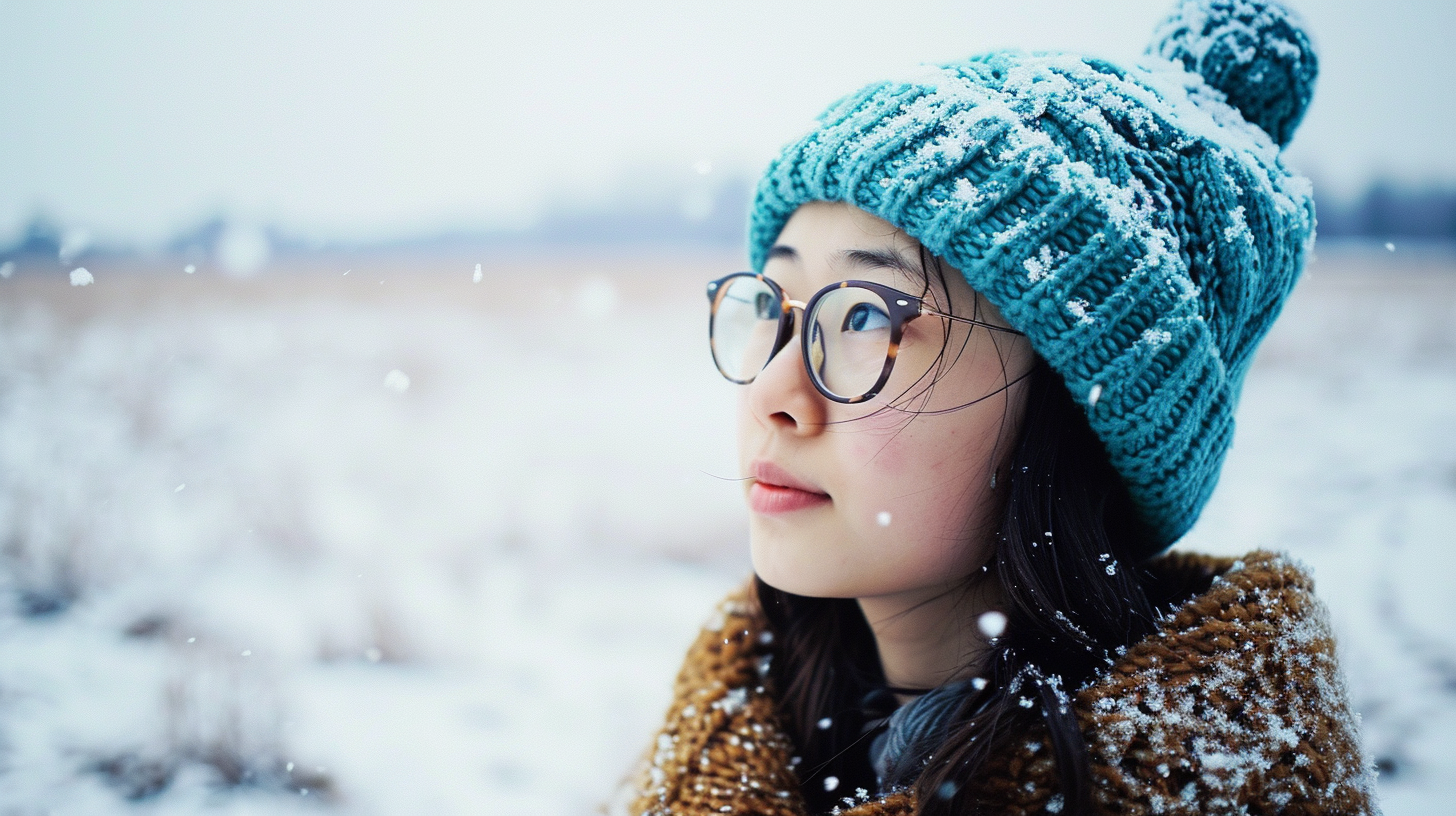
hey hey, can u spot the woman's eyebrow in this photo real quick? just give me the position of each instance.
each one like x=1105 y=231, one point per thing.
x=783 y=251
x=883 y=259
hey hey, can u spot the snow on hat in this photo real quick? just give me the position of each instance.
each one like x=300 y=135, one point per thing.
x=1136 y=223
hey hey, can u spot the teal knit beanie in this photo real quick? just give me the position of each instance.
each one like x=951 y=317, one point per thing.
x=1136 y=223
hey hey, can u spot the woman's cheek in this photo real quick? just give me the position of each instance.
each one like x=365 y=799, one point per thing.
x=882 y=454
x=900 y=487
x=930 y=490
x=903 y=460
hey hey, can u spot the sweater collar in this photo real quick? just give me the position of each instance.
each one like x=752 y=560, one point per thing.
x=1236 y=698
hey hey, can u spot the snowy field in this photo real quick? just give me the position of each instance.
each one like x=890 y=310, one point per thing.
x=396 y=542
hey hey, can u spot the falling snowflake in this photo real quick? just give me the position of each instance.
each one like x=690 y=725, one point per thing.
x=992 y=623
x=397 y=380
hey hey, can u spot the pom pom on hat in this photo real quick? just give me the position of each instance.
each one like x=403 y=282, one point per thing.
x=1257 y=53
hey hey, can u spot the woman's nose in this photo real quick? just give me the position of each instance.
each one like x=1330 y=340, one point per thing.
x=781 y=397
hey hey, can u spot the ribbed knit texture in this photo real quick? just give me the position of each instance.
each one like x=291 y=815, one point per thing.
x=1234 y=705
x=1136 y=227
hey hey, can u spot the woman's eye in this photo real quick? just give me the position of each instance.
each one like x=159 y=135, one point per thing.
x=764 y=306
x=865 y=317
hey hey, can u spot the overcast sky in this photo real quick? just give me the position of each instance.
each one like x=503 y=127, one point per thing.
x=374 y=120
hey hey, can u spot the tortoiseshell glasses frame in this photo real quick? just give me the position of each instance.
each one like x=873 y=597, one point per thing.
x=770 y=303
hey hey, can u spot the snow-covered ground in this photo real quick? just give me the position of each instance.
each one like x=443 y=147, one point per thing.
x=395 y=542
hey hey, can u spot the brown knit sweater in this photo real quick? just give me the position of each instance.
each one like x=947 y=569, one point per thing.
x=1235 y=705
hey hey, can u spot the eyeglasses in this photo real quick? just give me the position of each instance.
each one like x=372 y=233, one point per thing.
x=851 y=332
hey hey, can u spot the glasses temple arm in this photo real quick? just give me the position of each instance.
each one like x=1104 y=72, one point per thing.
x=927 y=310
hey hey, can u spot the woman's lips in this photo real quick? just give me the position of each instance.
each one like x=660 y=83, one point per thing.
x=775 y=490
x=773 y=499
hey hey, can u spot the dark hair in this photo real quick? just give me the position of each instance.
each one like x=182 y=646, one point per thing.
x=1072 y=597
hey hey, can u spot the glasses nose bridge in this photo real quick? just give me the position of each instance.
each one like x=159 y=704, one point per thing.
x=794 y=324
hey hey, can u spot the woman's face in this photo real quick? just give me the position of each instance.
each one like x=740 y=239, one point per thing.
x=885 y=497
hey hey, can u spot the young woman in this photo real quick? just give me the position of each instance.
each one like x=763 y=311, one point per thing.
x=990 y=350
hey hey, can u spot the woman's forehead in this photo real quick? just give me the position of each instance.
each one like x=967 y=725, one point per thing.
x=826 y=242
x=822 y=225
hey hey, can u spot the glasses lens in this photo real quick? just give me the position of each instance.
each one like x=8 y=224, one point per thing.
x=745 y=325
x=849 y=341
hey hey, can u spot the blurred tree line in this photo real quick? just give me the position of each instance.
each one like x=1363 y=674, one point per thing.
x=715 y=214
x=1387 y=210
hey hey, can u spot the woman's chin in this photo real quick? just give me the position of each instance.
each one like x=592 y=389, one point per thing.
x=774 y=562
x=807 y=589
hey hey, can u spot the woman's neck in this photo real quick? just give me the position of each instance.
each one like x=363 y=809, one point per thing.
x=926 y=639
